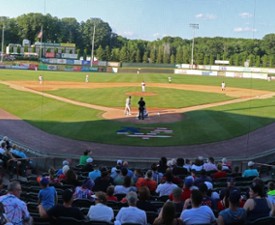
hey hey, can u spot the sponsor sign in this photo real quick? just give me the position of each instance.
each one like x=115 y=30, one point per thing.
x=50 y=55
x=113 y=64
x=68 y=56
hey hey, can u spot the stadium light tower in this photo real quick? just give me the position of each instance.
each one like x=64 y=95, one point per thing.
x=93 y=45
x=2 y=46
x=194 y=26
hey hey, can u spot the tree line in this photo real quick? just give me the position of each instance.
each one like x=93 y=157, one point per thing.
x=112 y=47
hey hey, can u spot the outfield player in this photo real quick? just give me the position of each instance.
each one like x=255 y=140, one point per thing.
x=87 y=78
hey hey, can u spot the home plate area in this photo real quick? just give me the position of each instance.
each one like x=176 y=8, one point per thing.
x=145 y=132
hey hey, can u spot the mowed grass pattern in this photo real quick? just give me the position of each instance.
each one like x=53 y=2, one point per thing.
x=80 y=123
x=162 y=98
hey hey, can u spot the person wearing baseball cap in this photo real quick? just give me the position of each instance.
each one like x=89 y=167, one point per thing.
x=250 y=171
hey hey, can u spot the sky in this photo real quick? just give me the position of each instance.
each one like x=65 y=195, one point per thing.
x=155 y=19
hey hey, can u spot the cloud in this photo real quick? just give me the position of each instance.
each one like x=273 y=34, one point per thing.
x=205 y=16
x=128 y=33
x=245 y=15
x=244 y=29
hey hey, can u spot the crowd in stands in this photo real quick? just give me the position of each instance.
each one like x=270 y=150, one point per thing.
x=170 y=192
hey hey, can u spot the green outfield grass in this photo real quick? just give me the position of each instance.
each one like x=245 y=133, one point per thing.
x=202 y=126
x=163 y=98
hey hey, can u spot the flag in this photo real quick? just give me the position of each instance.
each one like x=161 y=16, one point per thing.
x=40 y=34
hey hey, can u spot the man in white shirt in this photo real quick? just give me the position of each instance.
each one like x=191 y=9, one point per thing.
x=167 y=187
x=131 y=214
x=100 y=211
x=198 y=214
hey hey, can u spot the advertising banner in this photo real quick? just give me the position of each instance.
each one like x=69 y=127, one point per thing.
x=50 y=54
x=102 y=63
x=52 y=67
x=77 y=62
x=68 y=56
x=61 y=61
x=113 y=64
x=77 y=68
x=85 y=62
x=70 y=61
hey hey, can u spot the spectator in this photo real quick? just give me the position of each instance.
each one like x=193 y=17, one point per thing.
x=201 y=178
x=61 y=170
x=206 y=199
x=167 y=187
x=187 y=188
x=257 y=205
x=100 y=211
x=70 y=178
x=104 y=181
x=167 y=216
x=110 y=194
x=143 y=199
x=162 y=165
x=198 y=214
x=147 y=181
x=125 y=187
x=271 y=192
x=188 y=165
x=233 y=214
x=84 y=157
x=157 y=176
x=131 y=214
x=220 y=173
x=130 y=173
x=15 y=209
x=177 y=200
x=210 y=165
x=179 y=170
x=198 y=164
x=66 y=209
x=95 y=173
x=251 y=171
x=118 y=180
x=116 y=170
x=47 y=196
x=85 y=190
x=225 y=165
x=89 y=165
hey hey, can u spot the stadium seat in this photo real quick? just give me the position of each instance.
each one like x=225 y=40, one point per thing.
x=82 y=203
x=66 y=221
x=268 y=220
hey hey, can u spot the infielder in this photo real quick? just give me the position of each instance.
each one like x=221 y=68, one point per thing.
x=223 y=86
x=143 y=86
x=40 y=79
x=127 y=110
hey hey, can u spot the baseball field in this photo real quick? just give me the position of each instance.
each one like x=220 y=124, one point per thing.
x=192 y=108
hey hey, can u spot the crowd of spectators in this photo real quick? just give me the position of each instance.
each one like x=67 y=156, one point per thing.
x=171 y=192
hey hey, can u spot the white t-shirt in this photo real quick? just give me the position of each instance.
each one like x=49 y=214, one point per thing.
x=101 y=212
x=131 y=215
x=165 y=188
x=201 y=215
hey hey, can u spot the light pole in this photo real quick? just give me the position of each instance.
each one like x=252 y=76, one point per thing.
x=2 y=46
x=194 y=26
x=93 y=43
